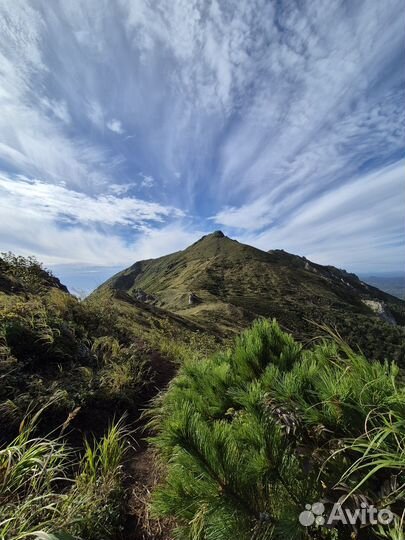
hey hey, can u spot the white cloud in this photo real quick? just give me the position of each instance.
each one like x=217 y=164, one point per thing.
x=115 y=126
x=58 y=202
x=61 y=226
x=31 y=141
x=95 y=114
x=121 y=189
x=265 y=108
x=58 y=108
x=55 y=244
x=358 y=225
x=147 y=180
x=158 y=242
x=253 y=216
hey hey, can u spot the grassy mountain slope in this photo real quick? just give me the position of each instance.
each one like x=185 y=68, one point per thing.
x=84 y=364
x=232 y=284
x=96 y=354
x=88 y=361
x=79 y=355
x=66 y=367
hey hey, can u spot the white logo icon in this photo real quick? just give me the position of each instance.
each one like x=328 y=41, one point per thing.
x=365 y=515
x=312 y=514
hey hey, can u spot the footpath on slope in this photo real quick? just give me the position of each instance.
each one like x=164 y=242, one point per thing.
x=141 y=469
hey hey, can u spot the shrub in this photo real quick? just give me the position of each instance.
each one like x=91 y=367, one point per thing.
x=52 y=343
x=26 y=273
x=251 y=436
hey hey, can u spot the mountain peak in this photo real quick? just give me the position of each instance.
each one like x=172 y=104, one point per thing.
x=211 y=236
x=217 y=234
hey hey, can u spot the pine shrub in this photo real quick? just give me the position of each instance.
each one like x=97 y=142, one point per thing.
x=250 y=437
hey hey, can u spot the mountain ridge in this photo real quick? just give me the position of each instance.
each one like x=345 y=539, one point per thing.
x=224 y=285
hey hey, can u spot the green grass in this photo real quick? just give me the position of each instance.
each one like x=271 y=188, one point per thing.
x=46 y=489
x=236 y=283
x=52 y=344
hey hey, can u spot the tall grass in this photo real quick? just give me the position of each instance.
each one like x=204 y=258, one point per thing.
x=45 y=489
x=380 y=452
x=31 y=469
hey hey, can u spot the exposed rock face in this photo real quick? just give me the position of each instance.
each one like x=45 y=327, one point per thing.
x=192 y=299
x=381 y=310
x=145 y=297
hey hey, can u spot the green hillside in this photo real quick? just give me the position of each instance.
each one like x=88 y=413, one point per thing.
x=245 y=434
x=224 y=285
x=98 y=354
x=69 y=370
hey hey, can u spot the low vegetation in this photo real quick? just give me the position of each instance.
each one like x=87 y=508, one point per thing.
x=245 y=439
x=82 y=363
x=251 y=436
x=48 y=492
x=91 y=355
x=50 y=346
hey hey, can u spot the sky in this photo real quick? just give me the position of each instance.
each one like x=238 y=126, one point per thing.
x=130 y=128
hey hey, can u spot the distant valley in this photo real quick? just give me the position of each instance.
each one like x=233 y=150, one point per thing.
x=392 y=284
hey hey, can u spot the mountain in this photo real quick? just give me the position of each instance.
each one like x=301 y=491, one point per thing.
x=223 y=285
x=69 y=367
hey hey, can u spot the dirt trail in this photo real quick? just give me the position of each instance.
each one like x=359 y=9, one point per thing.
x=142 y=472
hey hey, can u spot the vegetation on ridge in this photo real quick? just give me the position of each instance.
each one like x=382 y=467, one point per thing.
x=83 y=363
x=246 y=437
x=93 y=354
x=251 y=436
x=232 y=284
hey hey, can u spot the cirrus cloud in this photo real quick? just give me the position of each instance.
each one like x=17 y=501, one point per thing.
x=281 y=121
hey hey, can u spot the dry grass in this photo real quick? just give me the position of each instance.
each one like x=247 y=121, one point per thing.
x=146 y=473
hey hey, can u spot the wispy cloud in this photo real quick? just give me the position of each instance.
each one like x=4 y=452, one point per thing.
x=115 y=126
x=357 y=225
x=147 y=180
x=281 y=121
x=65 y=205
x=35 y=131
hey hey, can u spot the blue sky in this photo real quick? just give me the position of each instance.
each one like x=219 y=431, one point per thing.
x=129 y=128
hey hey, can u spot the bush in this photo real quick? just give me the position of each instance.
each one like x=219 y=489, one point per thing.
x=54 y=343
x=252 y=436
x=26 y=274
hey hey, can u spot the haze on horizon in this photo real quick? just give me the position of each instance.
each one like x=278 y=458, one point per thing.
x=128 y=131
